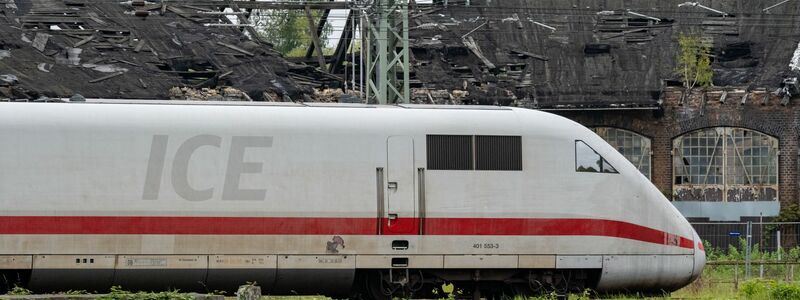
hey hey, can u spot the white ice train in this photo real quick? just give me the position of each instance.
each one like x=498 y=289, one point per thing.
x=332 y=199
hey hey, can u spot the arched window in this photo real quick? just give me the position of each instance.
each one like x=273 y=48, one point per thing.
x=725 y=164
x=635 y=147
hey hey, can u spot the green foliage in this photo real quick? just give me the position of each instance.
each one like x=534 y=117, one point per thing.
x=694 y=61
x=117 y=293
x=75 y=292
x=288 y=30
x=753 y=288
x=789 y=213
x=19 y=291
x=769 y=289
x=794 y=254
x=448 y=290
x=585 y=295
x=785 y=291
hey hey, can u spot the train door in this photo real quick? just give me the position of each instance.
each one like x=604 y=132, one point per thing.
x=400 y=216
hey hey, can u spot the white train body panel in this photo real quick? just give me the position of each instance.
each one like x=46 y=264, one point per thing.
x=280 y=183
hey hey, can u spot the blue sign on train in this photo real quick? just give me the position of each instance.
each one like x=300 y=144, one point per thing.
x=734 y=233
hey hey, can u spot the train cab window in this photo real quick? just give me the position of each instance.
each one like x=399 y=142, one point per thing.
x=588 y=160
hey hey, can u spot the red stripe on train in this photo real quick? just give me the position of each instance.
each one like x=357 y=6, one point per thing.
x=322 y=225
x=551 y=227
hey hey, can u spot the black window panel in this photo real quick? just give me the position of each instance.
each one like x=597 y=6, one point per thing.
x=498 y=153
x=450 y=152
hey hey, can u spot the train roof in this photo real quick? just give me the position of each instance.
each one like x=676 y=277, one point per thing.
x=281 y=104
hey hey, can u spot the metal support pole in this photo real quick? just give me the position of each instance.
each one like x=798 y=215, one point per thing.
x=366 y=24
x=388 y=53
x=353 y=50
x=778 y=240
x=749 y=238
x=364 y=47
x=761 y=243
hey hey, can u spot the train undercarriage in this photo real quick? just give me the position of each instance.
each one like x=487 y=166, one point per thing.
x=365 y=284
x=475 y=284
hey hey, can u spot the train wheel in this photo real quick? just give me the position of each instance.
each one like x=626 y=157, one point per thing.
x=490 y=290
x=378 y=286
x=10 y=279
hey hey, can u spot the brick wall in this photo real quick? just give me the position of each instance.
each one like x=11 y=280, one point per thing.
x=761 y=111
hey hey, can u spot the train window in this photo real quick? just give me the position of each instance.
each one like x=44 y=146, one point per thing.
x=467 y=152
x=588 y=160
x=633 y=146
x=450 y=152
x=498 y=153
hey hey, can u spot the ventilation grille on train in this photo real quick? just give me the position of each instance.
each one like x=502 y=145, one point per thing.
x=450 y=152
x=467 y=152
x=502 y=153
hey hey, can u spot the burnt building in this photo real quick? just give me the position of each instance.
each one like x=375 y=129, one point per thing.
x=728 y=152
x=140 y=50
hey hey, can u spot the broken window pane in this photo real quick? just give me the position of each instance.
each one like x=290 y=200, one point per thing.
x=635 y=147
x=725 y=164
x=587 y=160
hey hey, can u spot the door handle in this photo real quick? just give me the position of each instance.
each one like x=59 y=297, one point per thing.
x=392 y=185
x=392 y=217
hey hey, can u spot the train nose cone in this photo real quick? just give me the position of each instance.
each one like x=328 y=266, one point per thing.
x=699 y=257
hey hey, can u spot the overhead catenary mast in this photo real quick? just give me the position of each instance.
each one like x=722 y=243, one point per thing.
x=387 y=51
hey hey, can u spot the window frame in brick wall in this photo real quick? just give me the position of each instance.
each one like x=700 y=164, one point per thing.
x=635 y=147
x=725 y=164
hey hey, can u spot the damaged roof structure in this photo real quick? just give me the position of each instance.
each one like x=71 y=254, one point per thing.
x=553 y=55
x=139 y=50
x=598 y=53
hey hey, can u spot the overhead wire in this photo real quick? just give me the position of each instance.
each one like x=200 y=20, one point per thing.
x=501 y=14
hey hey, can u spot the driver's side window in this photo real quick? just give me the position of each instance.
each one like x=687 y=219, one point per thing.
x=588 y=160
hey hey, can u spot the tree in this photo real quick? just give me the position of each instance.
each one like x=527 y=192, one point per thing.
x=288 y=30
x=694 y=61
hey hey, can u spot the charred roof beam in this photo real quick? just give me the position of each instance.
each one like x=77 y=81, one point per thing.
x=766 y=10
x=642 y=15
x=695 y=4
